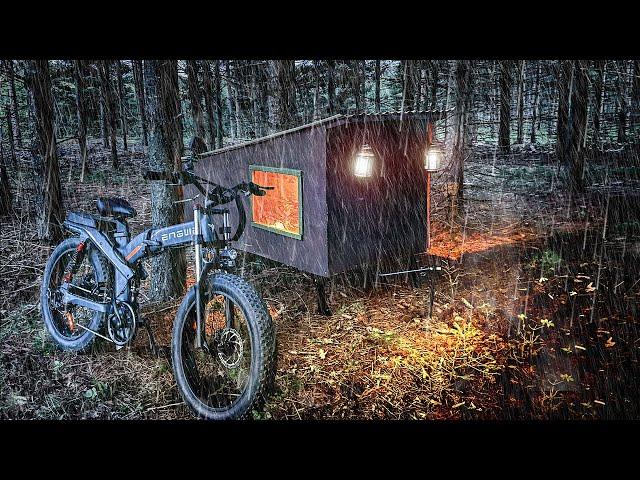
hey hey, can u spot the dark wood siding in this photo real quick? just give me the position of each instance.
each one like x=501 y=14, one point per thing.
x=380 y=219
x=303 y=150
x=347 y=221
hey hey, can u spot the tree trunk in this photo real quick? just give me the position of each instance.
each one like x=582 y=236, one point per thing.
x=218 y=93
x=536 y=104
x=621 y=103
x=635 y=98
x=286 y=99
x=434 y=86
x=165 y=149
x=355 y=83
x=504 y=132
x=565 y=81
x=209 y=102
x=377 y=93
x=463 y=79
x=45 y=156
x=12 y=147
x=5 y=186
x=520 y=110
x=598 y=91
x=104 y=67
x=233 y=127
x=447 y=101
x=316 y=91
x=79 y=73
x=331 y=87
x=138 y=81
x=14 y=102
x=578 y=122
x=195 y=98
x=122 y=102
x=237 y=91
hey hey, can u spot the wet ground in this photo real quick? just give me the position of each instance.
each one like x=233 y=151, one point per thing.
x=535 y=316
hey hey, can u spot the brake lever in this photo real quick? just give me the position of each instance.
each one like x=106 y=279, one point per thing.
x=187 y=199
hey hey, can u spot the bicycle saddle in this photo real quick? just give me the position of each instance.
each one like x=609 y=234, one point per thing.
x=115 y=207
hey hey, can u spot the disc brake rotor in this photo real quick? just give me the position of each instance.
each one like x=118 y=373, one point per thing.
x=230 y=347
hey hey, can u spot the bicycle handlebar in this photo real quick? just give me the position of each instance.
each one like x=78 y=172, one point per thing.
x=218 y=195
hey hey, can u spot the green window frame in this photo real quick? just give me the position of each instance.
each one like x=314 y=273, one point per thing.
x=285 y=171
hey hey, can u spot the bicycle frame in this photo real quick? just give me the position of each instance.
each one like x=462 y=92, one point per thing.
x=125 y=254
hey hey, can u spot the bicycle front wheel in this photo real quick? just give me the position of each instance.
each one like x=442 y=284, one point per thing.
x=230 y=375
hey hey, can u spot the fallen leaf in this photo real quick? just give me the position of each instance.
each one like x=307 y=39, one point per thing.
x=322 y=354
x=609 y=343
x=466 y=302
x=590 y=288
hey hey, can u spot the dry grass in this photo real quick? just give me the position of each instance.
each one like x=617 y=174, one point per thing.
x=378 y=356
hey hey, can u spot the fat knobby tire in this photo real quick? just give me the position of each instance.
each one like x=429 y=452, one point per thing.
x=101 y=268
x=263 y=347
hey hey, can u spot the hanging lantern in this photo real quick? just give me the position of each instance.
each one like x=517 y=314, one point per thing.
x=433 y=158
x=363 y=166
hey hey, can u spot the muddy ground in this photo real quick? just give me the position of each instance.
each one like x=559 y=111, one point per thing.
x=535 y=311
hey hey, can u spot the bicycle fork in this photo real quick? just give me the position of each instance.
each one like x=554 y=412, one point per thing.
x=197 y=243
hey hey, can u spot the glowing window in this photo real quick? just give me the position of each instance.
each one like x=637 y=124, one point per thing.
x=280 y=210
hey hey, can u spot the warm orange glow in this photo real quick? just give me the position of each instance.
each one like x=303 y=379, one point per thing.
x=279 y=208
x=444 y=245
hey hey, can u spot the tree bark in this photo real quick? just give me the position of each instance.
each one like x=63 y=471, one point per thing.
x=635 y=98
x=138 y=81
x=45 y=157
x=565 y=81
x=434 y=85
x=331 y=87
x=209 y=102
x=578 y=122
x=237 y=110
x=316 y=91
x=233 y=127
x=195 y=98
x=536 y=104
x=122 y=102
x=218 y=93
x=520 y=110
x=14 y=102
x=598 y=89
x=109 y=108
x=377 y=92
x=12 y=147
x=5 y=186
x=286 y=99
x=464 y=88
x=621 y=103
x=165 y=150
x=79 y=73
x=504 y=132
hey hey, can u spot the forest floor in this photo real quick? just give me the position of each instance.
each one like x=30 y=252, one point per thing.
x=535 y=313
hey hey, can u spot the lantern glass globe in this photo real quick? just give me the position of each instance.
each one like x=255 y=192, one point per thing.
x=363 y=165
x=433 y=159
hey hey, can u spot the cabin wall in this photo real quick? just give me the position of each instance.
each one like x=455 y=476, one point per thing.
x=380 y=221
x=303 y=150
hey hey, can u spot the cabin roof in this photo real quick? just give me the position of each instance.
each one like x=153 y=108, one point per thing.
x=337 y=120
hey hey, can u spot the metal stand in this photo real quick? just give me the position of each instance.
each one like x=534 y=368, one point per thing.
x=323 y=307
x=152 y=339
